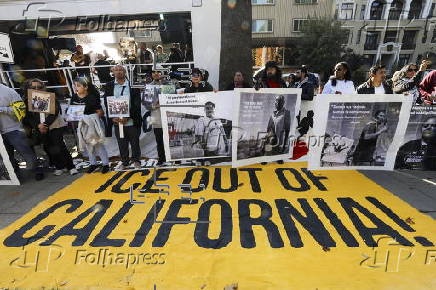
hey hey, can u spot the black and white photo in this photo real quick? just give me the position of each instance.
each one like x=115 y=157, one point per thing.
x=41 y=101
x=197 y=126
x=266 y=122
x=418 y=150
x=358 y=132
x=118 y=107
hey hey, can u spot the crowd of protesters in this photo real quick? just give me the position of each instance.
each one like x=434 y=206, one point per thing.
x=95 y=125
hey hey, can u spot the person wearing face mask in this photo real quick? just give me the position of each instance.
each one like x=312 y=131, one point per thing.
x=340 y=82
x=376 y=84
x=197 y=83
x=406 y=81
x=302 y=81
x=238 y=82
x=270 y=77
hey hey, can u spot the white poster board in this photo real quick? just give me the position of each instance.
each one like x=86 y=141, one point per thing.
x=358 y=131
x=197 y=126
x=263 y=129
x=7 y=173
x=6 y=53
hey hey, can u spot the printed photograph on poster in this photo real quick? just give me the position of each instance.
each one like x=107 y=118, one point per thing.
x=41 y=101
x=7 y=173
x=418 y=149
x=356 y=134
x=264 y=124
x=75 y=113
x=118 y=107
x=197 y=126
x=6 y=53
x=304 y=132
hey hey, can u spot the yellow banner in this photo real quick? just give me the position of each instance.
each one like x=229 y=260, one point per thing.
x=260 y=227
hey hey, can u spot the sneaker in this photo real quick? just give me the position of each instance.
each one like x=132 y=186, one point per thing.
x=120 y=166
x=137 y=165
x=73 y=171
x=105 y=169
x=91 y=168
x=58 y=172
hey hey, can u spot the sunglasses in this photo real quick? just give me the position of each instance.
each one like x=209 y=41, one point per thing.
x=195 y=75
x=412 y=69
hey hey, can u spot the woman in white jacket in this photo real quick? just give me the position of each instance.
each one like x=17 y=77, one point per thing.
x=340 y=82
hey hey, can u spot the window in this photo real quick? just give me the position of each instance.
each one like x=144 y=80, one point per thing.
x=262 y=26
x=371 y=42
x=403 y=59
x=347 y=32
x=306 y=1
x=262 y=2
x=409 y=39
x=415 y=9
x=347 y=11
x=376 y=12
x=298 y=24
x=433 y=39
x=362 y=12
x=141 y=33
x=396 y=9
x=391 y=36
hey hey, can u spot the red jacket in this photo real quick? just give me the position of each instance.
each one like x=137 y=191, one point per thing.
x=427 y=87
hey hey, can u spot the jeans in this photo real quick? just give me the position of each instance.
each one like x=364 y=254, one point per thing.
x=99 y=150
x=17 y=140
x=131 y=136
x=54 y=146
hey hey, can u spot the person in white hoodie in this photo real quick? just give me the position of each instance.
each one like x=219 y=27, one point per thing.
x=340 y=82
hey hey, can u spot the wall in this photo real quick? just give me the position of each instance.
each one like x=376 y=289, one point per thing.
x=206 y=20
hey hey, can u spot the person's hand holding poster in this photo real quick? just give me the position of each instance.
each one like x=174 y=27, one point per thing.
x=358 y=131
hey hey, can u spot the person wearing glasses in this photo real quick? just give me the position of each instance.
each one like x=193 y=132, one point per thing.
x=406 y=80
x=340 y=82
x=420 y=153
x=197 y=83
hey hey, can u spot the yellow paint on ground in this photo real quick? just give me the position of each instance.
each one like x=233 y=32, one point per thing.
x=182 y=264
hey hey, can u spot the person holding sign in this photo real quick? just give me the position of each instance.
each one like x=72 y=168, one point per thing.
x=49 y=132
x=12 y=132
x=90 y=124
x=127 y=130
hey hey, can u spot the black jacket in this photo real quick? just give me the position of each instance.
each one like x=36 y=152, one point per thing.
x=203 y=87
x=414 y=149
x=91 y=102
x=307 y=90
x=368 y=89
x=135 y=106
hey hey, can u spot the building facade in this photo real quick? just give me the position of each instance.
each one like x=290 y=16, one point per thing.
x=391 y=32
x=276 y=26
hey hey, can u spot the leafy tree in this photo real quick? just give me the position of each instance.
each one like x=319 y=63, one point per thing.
x=321 y=44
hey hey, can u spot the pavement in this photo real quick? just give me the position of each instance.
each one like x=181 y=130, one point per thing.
x=417 y=188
